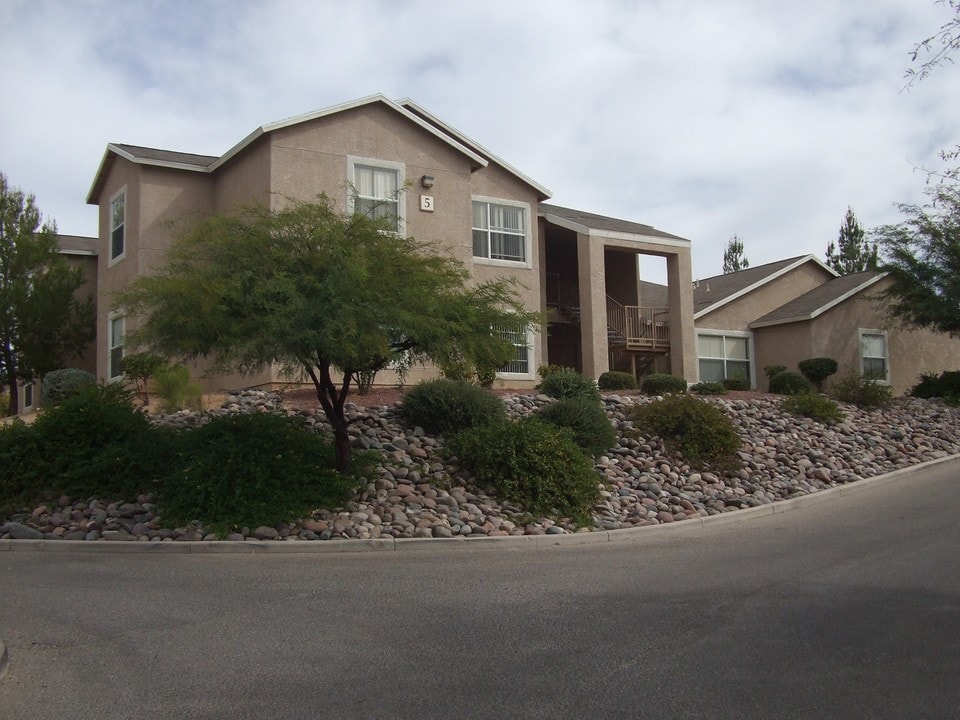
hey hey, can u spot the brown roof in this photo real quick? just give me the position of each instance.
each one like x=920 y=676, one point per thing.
x=170 y=156
x=78 y=244
x=602 y=222
x=709 y=293
x=820 y=299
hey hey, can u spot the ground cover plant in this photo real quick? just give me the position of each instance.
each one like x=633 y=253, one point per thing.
x=862 y=391
x=586 y=419
x=661 y=384
x=568 y=383
x=817 y=407
x=709 y=388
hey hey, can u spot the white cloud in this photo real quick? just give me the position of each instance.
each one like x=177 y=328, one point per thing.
x=703 y=118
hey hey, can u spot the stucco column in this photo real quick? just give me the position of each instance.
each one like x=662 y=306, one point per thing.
x=593 y=306
x=683 y=338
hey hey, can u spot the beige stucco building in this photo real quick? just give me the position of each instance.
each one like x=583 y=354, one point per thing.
x=437 y=185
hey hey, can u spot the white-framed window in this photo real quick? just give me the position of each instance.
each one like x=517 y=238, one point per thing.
x=116 y=328
x=376 y=190
x=501 y=231
x=874 y=361
x=28 y=396
x=521 y=364
x=724 y=354
x=118 y=226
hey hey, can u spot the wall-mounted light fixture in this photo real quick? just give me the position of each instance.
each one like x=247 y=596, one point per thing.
x=427 y=181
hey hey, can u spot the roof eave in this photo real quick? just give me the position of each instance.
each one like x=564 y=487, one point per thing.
x=823 y=308
x=582 y=229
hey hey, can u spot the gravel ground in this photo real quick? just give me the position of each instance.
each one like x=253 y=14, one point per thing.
x=415 y=493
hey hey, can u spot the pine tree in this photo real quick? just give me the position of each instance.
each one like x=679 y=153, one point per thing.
x=733 y=258
x=851 y=253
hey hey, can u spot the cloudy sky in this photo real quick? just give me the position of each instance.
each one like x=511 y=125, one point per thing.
x=704 y=118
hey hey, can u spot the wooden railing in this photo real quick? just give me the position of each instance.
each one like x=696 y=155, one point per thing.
x=561 y=292
x=638 y=328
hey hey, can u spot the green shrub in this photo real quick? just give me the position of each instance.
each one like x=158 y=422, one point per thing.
x=21 y=467
x=709 y=388
x=140 y=367
x=946 y=385
x=4 y=404
x=531 y=463
x=661 y=384
x=586 y=419
x=771 y=370
x=250 y=470
x=95 y=443
x=697 y=430
x=567 y=383
x=861 y=391
x=811 y=405
x=175 y=389
x=816 y=370
x=449 y=406
x=615 y=380
x=788 y=382
x=58 y=385
x=736 y=383
x=545 y=371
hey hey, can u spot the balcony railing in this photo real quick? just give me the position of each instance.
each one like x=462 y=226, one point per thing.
x=637 y=328
x=561 y=292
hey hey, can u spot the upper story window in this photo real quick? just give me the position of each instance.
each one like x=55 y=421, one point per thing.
x=376 y=191
x=873 y=355
x=499 y=231
x=118 y=224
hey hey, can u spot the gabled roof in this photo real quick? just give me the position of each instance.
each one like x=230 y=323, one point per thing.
x=601 y=225
x=712 y=293
x=478 y=156
x=822 y=298
x=410 y=105
x=78 y=245
x=654 y=294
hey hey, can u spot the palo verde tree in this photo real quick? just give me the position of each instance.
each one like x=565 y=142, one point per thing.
x=317 y=292
x=41 y=323
x=852 y=252
x=922 y=256
x=733 y=257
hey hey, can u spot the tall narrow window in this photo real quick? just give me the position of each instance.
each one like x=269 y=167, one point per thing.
x=376 y=191
x=28 y=396
x=517 y=336
x=116 y=331
x=499 y=232
x=118 y=223
x=873 y=355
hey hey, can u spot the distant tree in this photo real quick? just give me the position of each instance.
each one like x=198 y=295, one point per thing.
x=41 y=324
x=851 y=253
x=733 y=257
x=923 y=258
x=313 y=291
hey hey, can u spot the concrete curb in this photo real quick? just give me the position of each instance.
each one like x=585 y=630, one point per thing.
x=4 y=660
x=212 y=547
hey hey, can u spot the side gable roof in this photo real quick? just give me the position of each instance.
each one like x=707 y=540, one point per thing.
x=478 y=156
x=591 y=224
x=817 y=301
x=78 y=245
x=712 y=293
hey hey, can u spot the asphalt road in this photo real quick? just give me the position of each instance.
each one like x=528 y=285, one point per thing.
x=849 y=609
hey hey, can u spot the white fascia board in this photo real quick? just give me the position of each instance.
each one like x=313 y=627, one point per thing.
x=333 y=110
x=760 y=283
x=823 y=308
x=594 y=232
x=91 y=253
x=470 y=142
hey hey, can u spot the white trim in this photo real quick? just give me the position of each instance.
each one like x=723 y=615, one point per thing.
x=111 y=316
x=823 y=308
x=23 y=394
x=333 y=110
x=886 y=352
x=612 y=234
x=751 y=349
x=401 y=170
x=473 y=144
x=88 y=253
x=760 y=283
x=111 y=260
x=531 y=361
x=527 y=261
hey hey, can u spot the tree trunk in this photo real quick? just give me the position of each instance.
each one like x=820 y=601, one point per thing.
x=12 y=380
x=331 y=400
